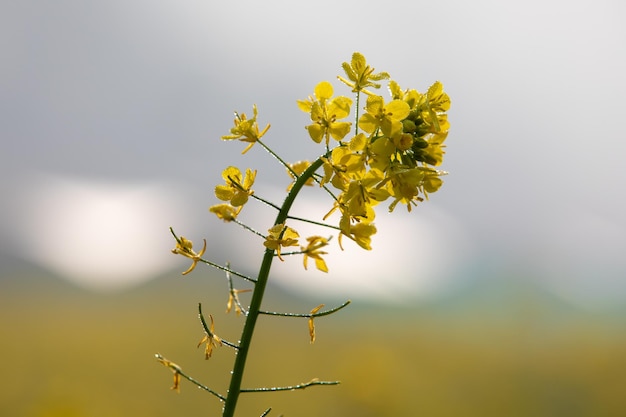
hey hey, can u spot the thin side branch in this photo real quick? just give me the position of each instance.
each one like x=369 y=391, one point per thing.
x=307 y=315
x=330 y=226
x=248 y=228
x=278 y=158
x=264 y=201
x=292 y=387
x=223 y=268
x=214 y=265
x=202 y=386
x=179 y=372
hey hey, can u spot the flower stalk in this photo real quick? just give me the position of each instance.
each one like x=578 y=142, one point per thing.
x=395 y=147
x=234 y=390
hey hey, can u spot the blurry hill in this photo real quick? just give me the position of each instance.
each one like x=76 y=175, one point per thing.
x=497 y=346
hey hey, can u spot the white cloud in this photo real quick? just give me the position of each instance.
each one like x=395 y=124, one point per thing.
x=100 y=235
x=414 y=254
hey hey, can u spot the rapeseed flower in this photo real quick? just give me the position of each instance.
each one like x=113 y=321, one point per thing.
x=281 y=236
x=236 y=190
x=174 y=368
x=312 y=250
x=210 y=339
x=325 y=113
x=388 y=117
x=361 y=233
x=246 y=130
x=225 y=212
x=360 y=74
x=185 y=247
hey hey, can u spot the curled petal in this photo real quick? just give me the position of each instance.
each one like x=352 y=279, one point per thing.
x=311 y=324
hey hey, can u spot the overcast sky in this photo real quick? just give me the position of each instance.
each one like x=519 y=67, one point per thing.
x=111 y=113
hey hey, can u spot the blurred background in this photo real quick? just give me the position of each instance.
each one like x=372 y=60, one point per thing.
x=503 y=295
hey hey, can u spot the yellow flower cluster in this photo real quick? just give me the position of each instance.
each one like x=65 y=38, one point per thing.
x=393 y=154
x=392 y=158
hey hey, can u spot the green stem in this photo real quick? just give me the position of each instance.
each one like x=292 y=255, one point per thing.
x=356 y=112
x=257 y=297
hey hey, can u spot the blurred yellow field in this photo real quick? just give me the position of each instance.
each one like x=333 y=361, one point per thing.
x=71 y=353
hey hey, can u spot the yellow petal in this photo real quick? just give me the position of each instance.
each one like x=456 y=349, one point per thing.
x=249 y=180
x=359 y=142
x=311 y=324
x=339 y=130
x=224 y=192
x=374 y=104
x=368 y=123
x=305 y=105
x=358 y=62
x=340 y=107
x=321 y=264
x=239 y=199
x=231 y=173
x=311 y=330
x=397 y=110
x=316 y=132
x=323 y=90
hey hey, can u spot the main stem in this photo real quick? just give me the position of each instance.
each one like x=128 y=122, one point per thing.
x=257 y=297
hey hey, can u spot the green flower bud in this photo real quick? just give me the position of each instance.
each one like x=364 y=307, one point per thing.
x=408 y=126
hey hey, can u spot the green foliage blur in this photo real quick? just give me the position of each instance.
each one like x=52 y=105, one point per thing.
x=66 y=352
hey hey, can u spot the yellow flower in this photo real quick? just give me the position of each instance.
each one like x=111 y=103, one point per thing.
x=185 y=247
x=233 y=298
x=334 y=173
x=225 y=212
x=403 y=141
x=361 y=233
x=429 y=110
x=380 y=153
x=174 y=368
x=325 y=113
x=360 y=74
x=299 y=167
x=246 y=130
x=347 y=163
x=236 y=190
x=363 y=194
x=312 y=250
x=386 y=117
x=396 y=92
x=405 y=184
x=433 y=153
x=281 y=236
x=211 y=340
x=311 y=324
x=431 y=181
x=438 y=101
